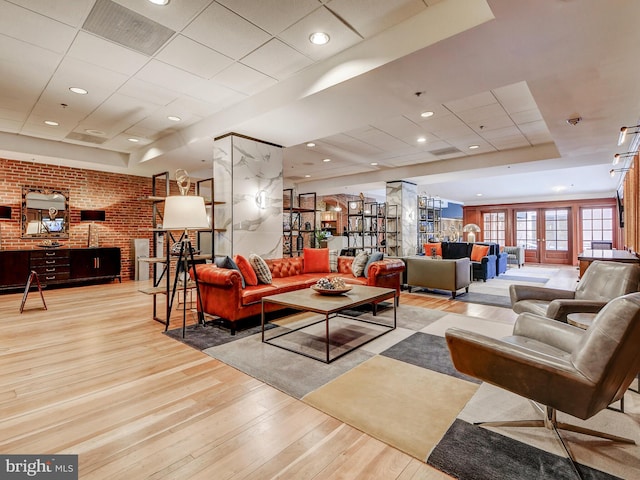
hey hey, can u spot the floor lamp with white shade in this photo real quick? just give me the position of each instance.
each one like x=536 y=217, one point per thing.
x=184 y=213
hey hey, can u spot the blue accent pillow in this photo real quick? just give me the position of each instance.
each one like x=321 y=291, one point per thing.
x=228 y=263
x=374 y=257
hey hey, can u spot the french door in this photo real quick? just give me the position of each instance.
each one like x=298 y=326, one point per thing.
x=545 y=234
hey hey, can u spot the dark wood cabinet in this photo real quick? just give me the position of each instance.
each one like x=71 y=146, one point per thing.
x=94 y=263
x=60 y=266
x=14 y=268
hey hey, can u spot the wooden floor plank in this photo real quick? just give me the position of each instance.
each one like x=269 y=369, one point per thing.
x=94 y=375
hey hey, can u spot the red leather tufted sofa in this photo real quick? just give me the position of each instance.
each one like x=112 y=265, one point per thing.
x=223 y=296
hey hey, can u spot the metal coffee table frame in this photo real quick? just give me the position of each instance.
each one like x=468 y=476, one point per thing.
x=330 y=306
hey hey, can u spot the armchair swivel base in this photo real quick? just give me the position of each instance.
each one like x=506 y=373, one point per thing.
x=550 y=422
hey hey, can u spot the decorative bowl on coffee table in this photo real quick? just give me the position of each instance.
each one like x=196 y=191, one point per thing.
x=331 y=291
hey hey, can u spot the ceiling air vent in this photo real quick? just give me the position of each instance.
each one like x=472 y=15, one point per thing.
x=83 y=137
x=445 y=151
x=126 y=27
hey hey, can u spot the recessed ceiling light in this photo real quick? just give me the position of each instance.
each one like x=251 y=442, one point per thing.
x=421 y=139
x=160 y=2
x=307 y=176
x=473 y=147
x=311 y=144
x=373 y=163
x=319 y=38
x=135 y=140
x=173 y=118
x=78 y=90
x=94 y=132
x=426 y=114
x=51 y=123
x=478 y=194
x=326 y=160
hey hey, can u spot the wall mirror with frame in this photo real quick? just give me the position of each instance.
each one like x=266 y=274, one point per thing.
x=45 y=212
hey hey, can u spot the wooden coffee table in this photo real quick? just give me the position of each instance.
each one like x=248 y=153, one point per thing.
x=332 y=308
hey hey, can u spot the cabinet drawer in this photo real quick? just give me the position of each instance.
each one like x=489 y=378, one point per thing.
x=48 y=261
x=37 y=254
x=54 y=277
x=51 y=269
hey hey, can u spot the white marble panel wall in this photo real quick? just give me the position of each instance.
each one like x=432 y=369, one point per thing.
x=405 y=194
x=223 y=192
x=247 y=167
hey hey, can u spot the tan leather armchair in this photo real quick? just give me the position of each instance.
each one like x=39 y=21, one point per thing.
x=602 y=282
x=564 y=368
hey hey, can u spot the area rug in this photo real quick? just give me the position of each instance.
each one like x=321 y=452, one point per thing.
x=402 y=389
x=495 y=291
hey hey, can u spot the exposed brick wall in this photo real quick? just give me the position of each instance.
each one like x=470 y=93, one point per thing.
x=127 y=216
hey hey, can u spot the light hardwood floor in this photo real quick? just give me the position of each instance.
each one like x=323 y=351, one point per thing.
x=93 y=375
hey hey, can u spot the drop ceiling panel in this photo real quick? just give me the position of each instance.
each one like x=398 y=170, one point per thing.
x=471 y=102
x=321 y=20
x=224 y=31
x=193 y=57
x=28 y=26
x=76 y=73
x=276 y=60
x=369 y=17
x=217 y=95
x=244 y=79
x=377 y=138
x=192 y=106
x=526 y=116
x=400 y=127
x=97 y=51
x=148 y=92
x=272 y=15
x=484 y=113
x=168 y=76
x=351 y=144
x=176 y=15
x=70 y=12
x=116 y=114
x=511 y=131
x=515 y=98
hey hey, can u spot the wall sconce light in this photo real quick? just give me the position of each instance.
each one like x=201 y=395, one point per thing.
x=623 y=133
x=618 y=156
x=92 y=216
x=261 y=199
x=471 y=229
x=5 y=214
x=613 y=171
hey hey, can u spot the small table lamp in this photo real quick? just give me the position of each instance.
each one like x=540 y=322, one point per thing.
x=5 y=214
x=185 y=212
x=92 y=216
x=471 y=229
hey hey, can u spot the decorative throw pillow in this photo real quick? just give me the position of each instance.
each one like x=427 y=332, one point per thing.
x=479 y=251
x=316 y=260
x=357 y=267
x=333 y=260
x=428 y=246
x=261 y=268
x=227 y=262
x=247 y=271
x=374 y=257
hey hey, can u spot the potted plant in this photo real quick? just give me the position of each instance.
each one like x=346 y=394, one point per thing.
x=321 y=238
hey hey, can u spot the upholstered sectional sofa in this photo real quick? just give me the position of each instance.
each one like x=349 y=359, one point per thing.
x=485 y=266
x=223 y=295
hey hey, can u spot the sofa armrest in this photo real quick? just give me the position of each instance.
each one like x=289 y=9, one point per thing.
x=218 y=277
x=386 y=273
x=558 y=309
x=531 y=292
x=385 y=267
